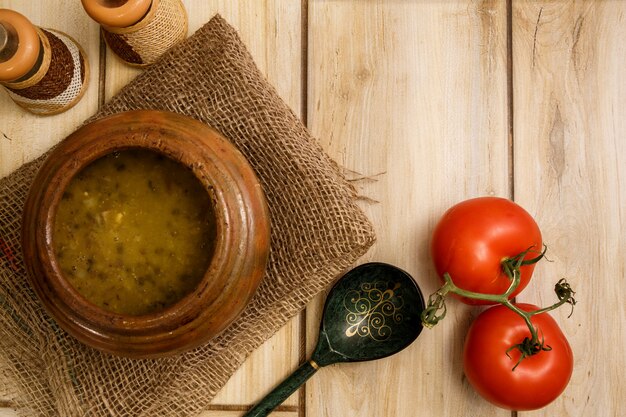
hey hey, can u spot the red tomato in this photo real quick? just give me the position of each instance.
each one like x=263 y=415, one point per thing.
x=473 y=237
x=537 y=380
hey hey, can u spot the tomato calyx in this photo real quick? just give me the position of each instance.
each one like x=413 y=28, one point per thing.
x=527 y=348
x=436 y=309
x=511 y=266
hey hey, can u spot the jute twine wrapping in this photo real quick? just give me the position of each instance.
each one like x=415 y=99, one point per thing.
x=317 y=232
x=60 y=81
x=164 y=26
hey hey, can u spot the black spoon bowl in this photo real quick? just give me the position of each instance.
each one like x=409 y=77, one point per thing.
x=372 y=312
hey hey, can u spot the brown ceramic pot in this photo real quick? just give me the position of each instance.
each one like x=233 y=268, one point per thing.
x=240 y=254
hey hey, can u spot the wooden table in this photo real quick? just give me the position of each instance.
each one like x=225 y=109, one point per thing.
x=429 y=102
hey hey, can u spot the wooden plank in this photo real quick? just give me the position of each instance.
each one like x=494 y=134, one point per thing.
x=413 y=96
x=25 y=136
x=221 y=413
x=569 y=133
x=264 y=369
x=271 y=31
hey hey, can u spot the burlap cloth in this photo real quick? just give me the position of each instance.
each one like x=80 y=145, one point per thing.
x=317 y=232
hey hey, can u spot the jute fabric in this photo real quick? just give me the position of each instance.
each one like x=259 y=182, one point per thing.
x=318 y=231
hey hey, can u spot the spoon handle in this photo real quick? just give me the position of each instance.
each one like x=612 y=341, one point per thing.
x=284 y=390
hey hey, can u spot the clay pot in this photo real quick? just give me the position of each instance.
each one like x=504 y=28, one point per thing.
x=241 y=247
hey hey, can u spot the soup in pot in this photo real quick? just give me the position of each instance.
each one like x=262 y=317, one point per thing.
x=134 y=232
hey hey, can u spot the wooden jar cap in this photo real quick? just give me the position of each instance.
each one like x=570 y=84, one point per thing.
x=117 y=13
x=22 y=38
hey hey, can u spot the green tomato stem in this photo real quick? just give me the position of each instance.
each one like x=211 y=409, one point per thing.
x=436 y=308
x=564 y=292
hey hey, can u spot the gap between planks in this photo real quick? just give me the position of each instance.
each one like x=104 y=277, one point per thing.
x=510 y=106
x=509 y=93
x=304 y=108
x=102 y=72
x=237 y=407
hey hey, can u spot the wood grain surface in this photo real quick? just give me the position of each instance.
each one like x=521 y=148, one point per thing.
x=569 y=139
x=412 y=97
x=426 y=103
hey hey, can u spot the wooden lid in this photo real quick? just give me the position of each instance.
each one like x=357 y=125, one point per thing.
x=117 y=13
x=19 y=45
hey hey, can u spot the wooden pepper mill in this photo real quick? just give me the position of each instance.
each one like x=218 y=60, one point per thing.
x=43 y=70
x=139 y=31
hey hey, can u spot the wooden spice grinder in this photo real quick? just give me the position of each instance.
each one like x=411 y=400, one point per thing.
x=43 y=70
x=139 y=31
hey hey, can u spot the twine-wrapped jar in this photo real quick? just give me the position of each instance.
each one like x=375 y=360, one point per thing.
x=43 y=70
x=139 y=31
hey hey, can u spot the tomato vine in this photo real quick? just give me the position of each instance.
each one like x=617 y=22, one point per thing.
x=436 y=308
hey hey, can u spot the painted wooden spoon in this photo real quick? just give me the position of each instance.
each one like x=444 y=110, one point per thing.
x=372 y=312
